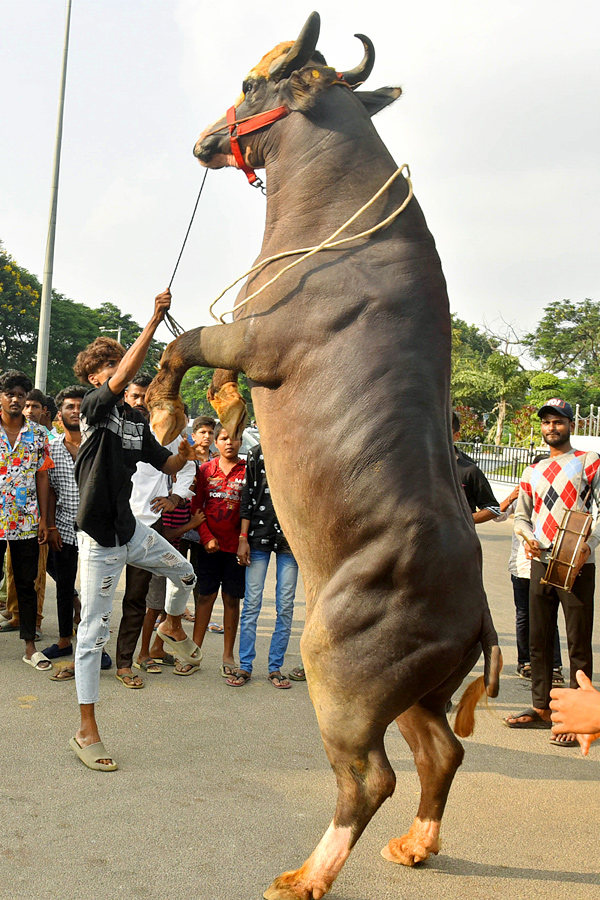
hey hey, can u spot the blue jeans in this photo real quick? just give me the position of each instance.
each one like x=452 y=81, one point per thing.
x=285 y=591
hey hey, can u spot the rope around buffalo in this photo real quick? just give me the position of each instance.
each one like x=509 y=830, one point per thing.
x=327 y=244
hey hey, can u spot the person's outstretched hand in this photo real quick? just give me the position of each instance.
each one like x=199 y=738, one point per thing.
x=577 y=712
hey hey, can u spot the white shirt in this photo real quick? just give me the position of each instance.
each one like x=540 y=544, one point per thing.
x=149 y=483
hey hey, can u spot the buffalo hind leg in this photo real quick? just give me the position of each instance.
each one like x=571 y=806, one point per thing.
x=437 y=754
x=365 y=779
x=228 y=403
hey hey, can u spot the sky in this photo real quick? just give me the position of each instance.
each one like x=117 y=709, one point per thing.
x=499 y=121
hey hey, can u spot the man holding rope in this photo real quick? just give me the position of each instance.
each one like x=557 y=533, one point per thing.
x=115 y=438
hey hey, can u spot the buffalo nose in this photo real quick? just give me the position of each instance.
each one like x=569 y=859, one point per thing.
x=205 y=148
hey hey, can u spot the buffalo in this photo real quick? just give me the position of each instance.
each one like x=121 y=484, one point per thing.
x=348 y=357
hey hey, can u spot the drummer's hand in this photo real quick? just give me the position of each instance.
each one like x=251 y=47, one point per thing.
x=584 y=555
x=532 y=550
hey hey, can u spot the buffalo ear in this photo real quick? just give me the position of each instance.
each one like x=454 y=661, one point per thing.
x=302 y=89
x=375 y=101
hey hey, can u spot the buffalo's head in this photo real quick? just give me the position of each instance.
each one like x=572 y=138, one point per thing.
x=293 y=75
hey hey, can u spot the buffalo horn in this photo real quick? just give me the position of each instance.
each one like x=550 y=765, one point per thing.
x=362 y=72
x=301 y=51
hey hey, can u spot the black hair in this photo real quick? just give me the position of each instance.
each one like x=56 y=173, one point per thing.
x=186 y=410
x=203 y=420
x=51 y=407
x=142 y=379
x=455 y=423
x=69 y=393
x=36 y=396
x=13 y=378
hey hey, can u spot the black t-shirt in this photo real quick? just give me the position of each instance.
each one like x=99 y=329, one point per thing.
x=477 y=487
x=114 y=438
x=256 y=505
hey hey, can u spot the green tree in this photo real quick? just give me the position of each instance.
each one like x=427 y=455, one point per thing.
x=510 y=387
x=567 y=339
x=72 y=326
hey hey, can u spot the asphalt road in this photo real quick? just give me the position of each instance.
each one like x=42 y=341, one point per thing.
x=219 y=790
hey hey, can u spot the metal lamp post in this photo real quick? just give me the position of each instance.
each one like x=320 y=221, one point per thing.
x=41 y=371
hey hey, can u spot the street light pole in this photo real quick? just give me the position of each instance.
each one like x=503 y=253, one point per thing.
x=41 y=371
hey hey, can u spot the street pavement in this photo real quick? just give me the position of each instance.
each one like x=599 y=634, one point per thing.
x=219 y=790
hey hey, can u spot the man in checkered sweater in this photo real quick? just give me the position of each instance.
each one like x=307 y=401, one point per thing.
x=547 y=489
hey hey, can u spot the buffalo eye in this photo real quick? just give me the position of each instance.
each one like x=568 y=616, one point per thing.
x=247 y=87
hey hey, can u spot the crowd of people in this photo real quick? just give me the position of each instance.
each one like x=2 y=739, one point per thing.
x=100 y=494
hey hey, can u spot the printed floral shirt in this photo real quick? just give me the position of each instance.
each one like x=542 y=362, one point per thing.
x=19 y=515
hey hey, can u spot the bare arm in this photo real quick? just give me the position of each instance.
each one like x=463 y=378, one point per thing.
x=243 y=553
x=177 y=461
x=483 y=515
x=54 y=538
x=172 y=534
x=43 y=489
x=135 y=356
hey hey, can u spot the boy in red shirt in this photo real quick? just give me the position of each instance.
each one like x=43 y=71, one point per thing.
x=218 y=493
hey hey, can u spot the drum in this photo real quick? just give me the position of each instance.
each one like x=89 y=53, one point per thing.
x=573 y=531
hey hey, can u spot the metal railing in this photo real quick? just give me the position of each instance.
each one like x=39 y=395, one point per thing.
x=588 y=425
x=499 y=463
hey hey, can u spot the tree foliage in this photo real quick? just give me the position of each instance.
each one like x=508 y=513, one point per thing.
x=72 y=326
x=567 y=339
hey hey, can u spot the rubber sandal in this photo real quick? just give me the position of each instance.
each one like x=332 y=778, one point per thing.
x=557 y=743
x=246 y=676
x=166 y=660
x=227 y=670
x=89 y=756
x=149 y=666
x=536 y=720
x=297 y=674
x=37 y=661
x=5 y=626
x=187 y=651
x=190 y=670
x=278 y=676
x=215 y=628
x=132 y=687
x=64 y=674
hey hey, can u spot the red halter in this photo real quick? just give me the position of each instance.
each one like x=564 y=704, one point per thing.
x=247 y=126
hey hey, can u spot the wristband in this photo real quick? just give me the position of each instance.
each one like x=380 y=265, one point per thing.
x=53 y=529
x=243 y=535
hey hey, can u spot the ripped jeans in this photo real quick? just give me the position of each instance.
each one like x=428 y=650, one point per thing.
x=99 y=571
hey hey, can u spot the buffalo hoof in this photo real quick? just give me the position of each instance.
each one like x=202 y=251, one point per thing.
x=230 y=408
x=167 y=418
x=406 y=851
x=290 y=886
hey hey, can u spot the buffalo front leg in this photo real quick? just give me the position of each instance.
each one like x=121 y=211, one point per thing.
x=365 y=779
x=437 y=754
x=218 y=346
x=227 y=402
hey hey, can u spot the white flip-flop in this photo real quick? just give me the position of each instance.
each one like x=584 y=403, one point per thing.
x=37 y=659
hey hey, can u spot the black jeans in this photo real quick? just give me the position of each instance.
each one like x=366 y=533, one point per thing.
x=521 y=596
x=578 y=607
x=24 y=557
x=62 y=567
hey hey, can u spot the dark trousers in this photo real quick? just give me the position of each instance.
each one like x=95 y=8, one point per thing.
x=521 y=597
x=24 y=557
x=62 y=567
x=137 y=582
x=578 y=608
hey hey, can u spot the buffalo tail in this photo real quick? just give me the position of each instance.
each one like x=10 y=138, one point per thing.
x=488 y=683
